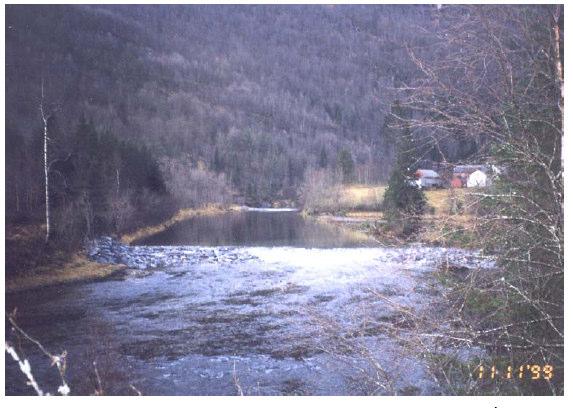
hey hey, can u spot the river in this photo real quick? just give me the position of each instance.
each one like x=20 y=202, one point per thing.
x=259 y=303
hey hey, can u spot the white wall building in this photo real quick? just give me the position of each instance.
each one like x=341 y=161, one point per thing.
x=478 y=179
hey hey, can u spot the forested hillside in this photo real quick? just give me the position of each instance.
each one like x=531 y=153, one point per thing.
x=244 y=98
x=138 y=136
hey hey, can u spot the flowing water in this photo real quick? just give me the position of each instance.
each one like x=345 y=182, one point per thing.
x=260 y=303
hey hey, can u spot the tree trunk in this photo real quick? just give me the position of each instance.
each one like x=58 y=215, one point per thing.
x=46 y=166
x=117 y=180
x=46 y=178
x=558 y=63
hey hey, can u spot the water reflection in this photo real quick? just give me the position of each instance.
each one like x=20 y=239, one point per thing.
x=252 y=228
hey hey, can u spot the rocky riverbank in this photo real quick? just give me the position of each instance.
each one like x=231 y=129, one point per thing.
x=108 y=250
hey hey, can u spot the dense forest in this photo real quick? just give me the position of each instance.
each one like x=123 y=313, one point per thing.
x=222 y=103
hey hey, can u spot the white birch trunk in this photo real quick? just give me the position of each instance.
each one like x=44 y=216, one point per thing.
x=558 y=63
x=117 y=181
x=46 y=169
x=46 y=180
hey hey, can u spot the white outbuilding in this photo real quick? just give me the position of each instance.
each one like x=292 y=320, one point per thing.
x=478 y=179
x=428 y=178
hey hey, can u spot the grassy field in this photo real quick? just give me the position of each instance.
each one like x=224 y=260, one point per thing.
x=448 y=221
x=369 y=198
x=451 y=220
x=365 y=198
x=361 y=197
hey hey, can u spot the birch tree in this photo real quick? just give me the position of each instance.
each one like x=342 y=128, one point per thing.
x=45 y=115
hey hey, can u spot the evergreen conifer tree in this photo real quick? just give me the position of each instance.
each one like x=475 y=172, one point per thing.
x=346 y=165
x=323 y=161
x=403 y=201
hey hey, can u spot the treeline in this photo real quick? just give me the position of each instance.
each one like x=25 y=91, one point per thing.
x=97 y=183
x=257 y=95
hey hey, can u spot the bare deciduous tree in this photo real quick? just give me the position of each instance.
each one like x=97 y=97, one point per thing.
x=496 y=77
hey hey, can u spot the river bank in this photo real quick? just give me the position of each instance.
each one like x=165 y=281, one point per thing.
x=436 y=230
x=31 y=264
x=448 y=221
x=41 y=268
x=440 y=229
x=181 y=215
x=78 y=269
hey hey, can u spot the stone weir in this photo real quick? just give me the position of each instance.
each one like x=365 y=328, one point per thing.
x=109 y=250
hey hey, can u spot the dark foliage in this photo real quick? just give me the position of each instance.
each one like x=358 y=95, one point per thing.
x=403 y=201
x=346 y=165
x=259 y=93
x=93 y=177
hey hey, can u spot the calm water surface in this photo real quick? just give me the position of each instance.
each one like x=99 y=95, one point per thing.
x=259 y=228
